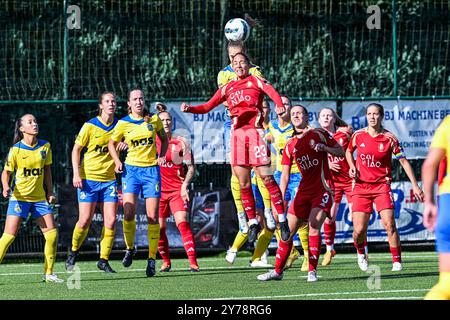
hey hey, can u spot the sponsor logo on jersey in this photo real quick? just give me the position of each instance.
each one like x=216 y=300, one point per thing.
x=362 y=145
x=32 y=172
x=101 y=149
x=142 y=142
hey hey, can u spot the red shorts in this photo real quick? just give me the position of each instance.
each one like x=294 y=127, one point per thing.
x=366 y=194
x=340 y=189
x=249 y=148
x=171 y=201
x=303 y=203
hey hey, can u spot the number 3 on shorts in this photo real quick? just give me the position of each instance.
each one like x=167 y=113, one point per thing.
x=260 y=151
x=325 y=199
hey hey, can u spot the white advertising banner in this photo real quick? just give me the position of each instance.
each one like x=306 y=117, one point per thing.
x=412 y=121
x=205 y=132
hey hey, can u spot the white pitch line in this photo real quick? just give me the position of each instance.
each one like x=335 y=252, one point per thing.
x=319 y=294
x=385 y=298
x=138 y=270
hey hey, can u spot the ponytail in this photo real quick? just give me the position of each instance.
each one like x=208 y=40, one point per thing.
x=18 y=135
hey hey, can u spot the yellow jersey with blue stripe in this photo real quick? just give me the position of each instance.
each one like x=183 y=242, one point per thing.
x=280 y=136
x=97 y=164
x=441 y=140
x=141 y=139
x=27 y=162
x=227 y=74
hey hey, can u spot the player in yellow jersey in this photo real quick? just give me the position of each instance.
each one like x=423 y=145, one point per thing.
x=437 y=217
x=28 y=163
x=279 y=132
x=140 y=174
x=95 y=180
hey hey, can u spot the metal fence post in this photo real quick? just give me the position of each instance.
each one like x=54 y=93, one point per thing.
x=394 y=44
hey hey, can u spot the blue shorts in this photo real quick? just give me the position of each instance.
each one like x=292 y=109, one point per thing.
x=259 y=202
x=142 y=180
x=95 y=191
x=442 y=224
x=293 y=184
x=23 y=209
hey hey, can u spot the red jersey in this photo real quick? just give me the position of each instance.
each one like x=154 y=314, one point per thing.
x=312 y=165
x=342 y=136
x=172 y=173
x=244 y=98
x=374 y=155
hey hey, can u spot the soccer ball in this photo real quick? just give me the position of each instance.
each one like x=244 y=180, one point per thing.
x=237 y=30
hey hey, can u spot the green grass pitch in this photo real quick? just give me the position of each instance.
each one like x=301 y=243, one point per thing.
x=219 y=280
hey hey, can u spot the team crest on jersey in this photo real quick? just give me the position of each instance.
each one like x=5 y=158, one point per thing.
x=17 y=208
x=82 y=195
x=311 y=143
x=380 y=147
x=43 y=154
x=249 y=84
x=150 y=127
x=124 y=185
x=341 y=141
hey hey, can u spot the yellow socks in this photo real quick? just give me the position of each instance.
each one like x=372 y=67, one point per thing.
x=441 y=291
x=153 y=239
x=263 y=242
x=5 y=242
x=239 y=241
x=264 y=193
x=303 y=234
x=51 y=240
x=78 y=237
x=236 y=191
x=106 y=242
x=129 y=230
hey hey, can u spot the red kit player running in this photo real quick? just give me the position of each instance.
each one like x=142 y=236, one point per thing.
x=308 y=149
x=174 y=193
x=373 y=175
x=244 y=97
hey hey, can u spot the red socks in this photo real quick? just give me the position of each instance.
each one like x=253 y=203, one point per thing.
x=163 y=246
x=396 y=254
x=188 y=242
x=248 y=202
x=329 y=231
x=314 y=251
x=275 y=195
x=359 y=247
x=283 y=252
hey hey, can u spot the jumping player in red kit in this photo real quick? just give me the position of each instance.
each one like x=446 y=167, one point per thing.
x=244 y=97
x=175 y=194
x=373 y=175
x=308 y=149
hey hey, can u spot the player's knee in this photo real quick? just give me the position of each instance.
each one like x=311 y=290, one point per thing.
x=84 y=223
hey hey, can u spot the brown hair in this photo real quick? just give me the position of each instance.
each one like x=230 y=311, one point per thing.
x=146 y=114
x=338 y=122
x=378 y=106
x=100 y=99
x=18 y=135
x=304 y=110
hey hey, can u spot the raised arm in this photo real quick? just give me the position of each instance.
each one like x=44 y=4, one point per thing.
x=216 y=100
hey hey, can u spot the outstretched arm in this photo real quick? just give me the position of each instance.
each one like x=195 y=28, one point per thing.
x=217 y=99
